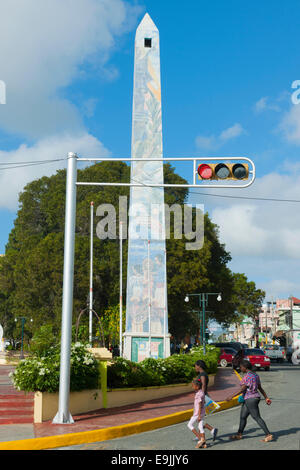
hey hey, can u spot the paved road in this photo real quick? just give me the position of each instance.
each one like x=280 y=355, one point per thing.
x=282 y=383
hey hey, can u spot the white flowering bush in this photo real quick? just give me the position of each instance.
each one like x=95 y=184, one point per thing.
x=42 y=373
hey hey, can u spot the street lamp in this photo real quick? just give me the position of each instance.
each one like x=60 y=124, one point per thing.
x=203 y=301
x=23 y=320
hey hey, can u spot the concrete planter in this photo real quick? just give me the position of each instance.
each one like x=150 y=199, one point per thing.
x=46 y=404
x=129 y=396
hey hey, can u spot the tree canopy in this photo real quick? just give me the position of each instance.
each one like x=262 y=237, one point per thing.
x=31 y=272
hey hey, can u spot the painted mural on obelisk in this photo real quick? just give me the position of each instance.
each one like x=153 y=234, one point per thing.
x=146 y=300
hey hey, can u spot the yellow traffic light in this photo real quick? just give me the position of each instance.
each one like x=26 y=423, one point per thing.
x=223 y=171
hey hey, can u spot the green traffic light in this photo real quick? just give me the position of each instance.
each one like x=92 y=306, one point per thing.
x=239 y=171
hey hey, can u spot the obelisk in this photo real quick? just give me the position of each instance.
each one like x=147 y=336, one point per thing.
x=146 y=300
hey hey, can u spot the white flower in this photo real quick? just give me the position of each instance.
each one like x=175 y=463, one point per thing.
x=42 y=372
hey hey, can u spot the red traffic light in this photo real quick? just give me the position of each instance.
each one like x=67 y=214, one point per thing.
x=205 y=171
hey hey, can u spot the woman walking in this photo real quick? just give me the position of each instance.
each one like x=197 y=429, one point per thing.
x=200 y=368
x=250 y=388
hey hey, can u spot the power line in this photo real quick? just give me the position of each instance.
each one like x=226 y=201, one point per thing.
x=246 y=197
x=27 y=164
x=232 y=197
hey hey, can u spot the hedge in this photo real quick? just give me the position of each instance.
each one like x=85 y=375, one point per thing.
x=176 y=369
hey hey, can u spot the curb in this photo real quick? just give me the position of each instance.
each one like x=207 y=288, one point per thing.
x=106 y=434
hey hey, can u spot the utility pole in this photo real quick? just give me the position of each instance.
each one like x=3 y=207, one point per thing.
x=91 y=277
x=121 y=290
x=63 y=415
x=291 y=312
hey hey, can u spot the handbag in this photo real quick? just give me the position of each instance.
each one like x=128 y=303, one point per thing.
x=241 y=399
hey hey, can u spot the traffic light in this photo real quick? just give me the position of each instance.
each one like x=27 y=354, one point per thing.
x=223 y=171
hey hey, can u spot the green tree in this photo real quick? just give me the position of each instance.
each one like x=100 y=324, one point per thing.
x=31 y=272
x=246 y=298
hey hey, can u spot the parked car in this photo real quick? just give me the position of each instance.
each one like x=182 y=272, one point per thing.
x=234 y=345
x=256 y=357
x=274 y=352
x=226 y=356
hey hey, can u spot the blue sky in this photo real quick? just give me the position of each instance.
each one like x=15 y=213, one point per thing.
x=227 y=70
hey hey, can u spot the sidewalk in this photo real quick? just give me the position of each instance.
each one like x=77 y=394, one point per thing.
x=226 y=383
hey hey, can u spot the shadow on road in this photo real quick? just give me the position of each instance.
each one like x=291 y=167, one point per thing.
x=225 y=438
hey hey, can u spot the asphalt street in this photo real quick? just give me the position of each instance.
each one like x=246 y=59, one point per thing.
x=282 y=384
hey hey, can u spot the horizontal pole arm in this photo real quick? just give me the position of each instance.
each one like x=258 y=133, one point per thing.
x=145 y=185
x=161 y=159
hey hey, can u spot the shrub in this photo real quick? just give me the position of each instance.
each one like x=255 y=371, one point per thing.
x=42 y=341
x=42 y=373
x=126 y=374
x=178 y=368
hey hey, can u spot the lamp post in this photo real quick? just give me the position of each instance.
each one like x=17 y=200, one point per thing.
x=23 y=321
x=203 y=301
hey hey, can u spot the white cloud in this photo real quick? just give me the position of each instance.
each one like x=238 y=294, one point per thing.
x=238 y=229
x=280 y=288
x=268 y=229
x=205 y=142
x=231 y=133
x=290 y=125
x=44 y=46
x=12 y=181
x=214 y=142
x=264 y=105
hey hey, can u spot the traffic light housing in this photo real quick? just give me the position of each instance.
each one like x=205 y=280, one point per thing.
x=223 y=171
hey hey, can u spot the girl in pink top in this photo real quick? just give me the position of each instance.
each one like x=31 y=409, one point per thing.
x=198 y=415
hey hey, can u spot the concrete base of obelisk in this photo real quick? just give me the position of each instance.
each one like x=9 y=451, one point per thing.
x=136 y=346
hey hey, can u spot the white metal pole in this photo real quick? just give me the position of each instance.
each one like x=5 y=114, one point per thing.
x=63 y=415
x=121 y=290
x=91 y=276
x=149 y=298
x=165 y=310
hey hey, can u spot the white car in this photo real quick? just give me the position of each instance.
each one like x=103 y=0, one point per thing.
x=275 y=353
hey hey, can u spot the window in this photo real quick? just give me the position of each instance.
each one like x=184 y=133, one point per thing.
x=254 y=352
x=148 y=42
x=230 y=351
